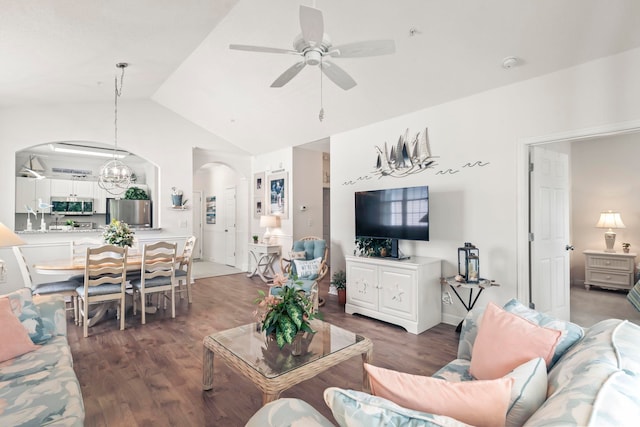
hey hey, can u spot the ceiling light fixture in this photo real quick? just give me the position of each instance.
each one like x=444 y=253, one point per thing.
x=115 y=176
x=88 y=152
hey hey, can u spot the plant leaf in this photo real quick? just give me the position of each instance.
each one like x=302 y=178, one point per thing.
x=295 y=313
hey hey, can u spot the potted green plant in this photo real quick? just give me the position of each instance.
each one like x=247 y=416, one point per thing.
x=136 y=193
x=118 y=233
x=284 y=315
x=255 y=238
x=339 y=280
x=369 y=246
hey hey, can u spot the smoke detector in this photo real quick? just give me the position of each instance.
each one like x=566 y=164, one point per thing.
x=510 y=62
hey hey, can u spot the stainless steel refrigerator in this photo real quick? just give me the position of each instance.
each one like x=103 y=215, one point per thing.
x=136 y=213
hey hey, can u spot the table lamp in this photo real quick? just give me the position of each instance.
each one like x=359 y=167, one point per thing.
x=7 y=238
x=610 y=220
x=269 y=221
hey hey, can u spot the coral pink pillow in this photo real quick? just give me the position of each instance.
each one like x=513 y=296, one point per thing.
x=506 y=341
x=479 y=403
x=14 y=339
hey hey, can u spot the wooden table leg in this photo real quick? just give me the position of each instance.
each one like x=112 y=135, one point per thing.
x=207 y=369
x=366 y=358
x=269 y=397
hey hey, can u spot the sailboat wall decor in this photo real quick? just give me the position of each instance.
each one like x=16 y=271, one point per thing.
x=406 y=157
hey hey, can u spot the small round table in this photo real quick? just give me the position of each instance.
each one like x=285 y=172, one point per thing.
x=480 y=286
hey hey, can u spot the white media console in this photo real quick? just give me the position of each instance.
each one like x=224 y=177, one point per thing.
x=403 y=292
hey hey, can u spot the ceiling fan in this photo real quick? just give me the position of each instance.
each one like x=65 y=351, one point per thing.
x=313 y=45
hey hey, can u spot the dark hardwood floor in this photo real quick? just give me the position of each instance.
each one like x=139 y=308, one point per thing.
x=151 y=375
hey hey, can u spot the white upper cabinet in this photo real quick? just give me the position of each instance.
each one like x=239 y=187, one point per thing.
x=71 y=188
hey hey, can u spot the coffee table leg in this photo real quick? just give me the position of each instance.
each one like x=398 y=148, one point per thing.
x=366 y=358
x=207 y=369
x=269 y=397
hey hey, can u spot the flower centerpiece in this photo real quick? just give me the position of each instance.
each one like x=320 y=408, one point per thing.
x=118 y=233
x=286 y=314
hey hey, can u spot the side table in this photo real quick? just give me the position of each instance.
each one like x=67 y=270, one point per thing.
x=480 y=286
x=263 y=255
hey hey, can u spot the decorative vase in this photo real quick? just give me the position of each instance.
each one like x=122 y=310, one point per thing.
x=176 y=200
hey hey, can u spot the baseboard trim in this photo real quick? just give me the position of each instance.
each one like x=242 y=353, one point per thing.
x=451 y=319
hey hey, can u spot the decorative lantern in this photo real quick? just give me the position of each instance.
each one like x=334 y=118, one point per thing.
x=469 y=263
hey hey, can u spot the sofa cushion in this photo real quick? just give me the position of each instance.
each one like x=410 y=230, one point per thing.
x=14 y=340
x=483 y=403
x=53 y=313
x=27 y=312
x=586 y=387
x=528 y=392
x=54 y=353
x=571 y=333
x=42 y=398
x=469 y=333
x=288 y=412
x=353 y=408
x=506 y=341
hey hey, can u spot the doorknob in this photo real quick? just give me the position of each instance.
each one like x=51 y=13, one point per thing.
x=568 y=248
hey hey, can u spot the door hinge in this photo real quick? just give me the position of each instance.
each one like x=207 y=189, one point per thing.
x=531 y=237
x=530 y=167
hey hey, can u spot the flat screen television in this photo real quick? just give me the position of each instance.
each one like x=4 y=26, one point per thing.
x=395 y=213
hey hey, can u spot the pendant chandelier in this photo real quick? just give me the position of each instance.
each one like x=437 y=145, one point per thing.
x=115 y=176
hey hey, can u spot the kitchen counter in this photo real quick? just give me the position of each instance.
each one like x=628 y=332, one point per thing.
x=82 y=230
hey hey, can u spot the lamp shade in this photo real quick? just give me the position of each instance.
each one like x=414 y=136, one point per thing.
x=269 y=221
x=610 y=219
x=8 y=237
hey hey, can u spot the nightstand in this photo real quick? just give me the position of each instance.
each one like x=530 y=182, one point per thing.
x=610 y=270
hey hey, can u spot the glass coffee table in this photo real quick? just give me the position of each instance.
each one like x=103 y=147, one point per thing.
x=272 y=369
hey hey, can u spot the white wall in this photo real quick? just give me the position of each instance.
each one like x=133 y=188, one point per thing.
x=479 y=204
x=604 y=176
x=307 y=191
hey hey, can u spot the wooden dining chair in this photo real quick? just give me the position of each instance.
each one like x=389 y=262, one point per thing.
x=66 y=288
x=105 y=278
x=158 y=275
x=183 y=271
x=79 y=253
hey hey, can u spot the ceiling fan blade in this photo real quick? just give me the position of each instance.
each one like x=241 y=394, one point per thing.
x=338 y=75
x=312 y=25
x=290 y=73
x=363 y=49
x=262 y=49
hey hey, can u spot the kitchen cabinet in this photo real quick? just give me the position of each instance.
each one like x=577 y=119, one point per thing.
x=610 y=270
x=71 y=188
x=402 y=292
x=100 y=199
x=29 y=190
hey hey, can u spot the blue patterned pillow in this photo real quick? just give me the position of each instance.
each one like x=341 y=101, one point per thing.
x=29 y=315
x=353 y=408
x=571 y=333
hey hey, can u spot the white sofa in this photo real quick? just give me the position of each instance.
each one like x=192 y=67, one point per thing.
x=593 y=380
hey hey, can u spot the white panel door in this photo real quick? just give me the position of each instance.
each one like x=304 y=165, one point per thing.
x=550 y=262
x=230 y=226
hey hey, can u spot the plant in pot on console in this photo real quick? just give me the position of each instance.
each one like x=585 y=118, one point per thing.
x=339 y=280
x=255 y=238
x=369 y=246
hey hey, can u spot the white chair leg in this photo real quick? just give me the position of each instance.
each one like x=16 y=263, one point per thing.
x=143 y=308
x=188 y=282
x=122 y=309
x=173 y=302
x=85 y=318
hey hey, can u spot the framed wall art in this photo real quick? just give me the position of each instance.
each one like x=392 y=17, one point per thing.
x=211 y=209
x=278 y=195
x=259 y=184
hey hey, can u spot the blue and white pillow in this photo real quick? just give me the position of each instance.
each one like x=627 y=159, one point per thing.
x=308 y=269
x=27 y=312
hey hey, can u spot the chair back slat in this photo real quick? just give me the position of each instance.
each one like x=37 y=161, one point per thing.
x=106 y=264
x=159 y=260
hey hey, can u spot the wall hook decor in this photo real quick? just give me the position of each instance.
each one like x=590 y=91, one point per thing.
x=405 y=158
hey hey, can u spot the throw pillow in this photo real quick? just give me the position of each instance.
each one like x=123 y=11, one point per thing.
x=506 y=341
x=571 y=333
x=308 y=269
x=28 y=314
x=14 y=338
x=353 y=408
x=298 y=255
x=481 y=403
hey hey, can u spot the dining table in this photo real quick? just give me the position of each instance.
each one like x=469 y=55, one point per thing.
x=69 y=267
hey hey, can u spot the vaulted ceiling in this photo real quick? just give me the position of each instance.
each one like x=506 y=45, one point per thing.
x=66 y=51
